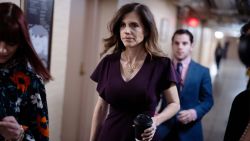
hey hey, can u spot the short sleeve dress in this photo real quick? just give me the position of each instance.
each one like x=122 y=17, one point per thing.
x=140 y=95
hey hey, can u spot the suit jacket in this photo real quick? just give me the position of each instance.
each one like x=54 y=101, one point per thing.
x=196 y=94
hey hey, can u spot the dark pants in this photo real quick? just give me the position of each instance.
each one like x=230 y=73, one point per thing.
x=167 y=130
x=218 y=59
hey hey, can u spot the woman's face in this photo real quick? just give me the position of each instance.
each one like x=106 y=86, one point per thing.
x=131 y=30
x=6 y=51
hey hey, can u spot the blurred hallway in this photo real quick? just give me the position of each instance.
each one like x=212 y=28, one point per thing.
x=230 y=80
x=78 y=29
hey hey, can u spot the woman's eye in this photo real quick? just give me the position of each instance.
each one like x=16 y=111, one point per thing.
x=11 y=43
x=122 y=25
x=134 y=25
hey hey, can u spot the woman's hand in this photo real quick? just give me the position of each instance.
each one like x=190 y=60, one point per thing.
x=149 y=133
x=9 y=128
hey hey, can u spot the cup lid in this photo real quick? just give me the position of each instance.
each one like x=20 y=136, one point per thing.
x=143 y=119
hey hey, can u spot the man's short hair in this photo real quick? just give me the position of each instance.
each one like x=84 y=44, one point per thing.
x=184 y=31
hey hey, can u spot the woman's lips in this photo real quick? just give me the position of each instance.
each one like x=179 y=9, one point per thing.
x=3 y=56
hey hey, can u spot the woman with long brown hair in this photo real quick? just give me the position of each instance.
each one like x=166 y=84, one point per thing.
x=131 y=79
x=23 y=104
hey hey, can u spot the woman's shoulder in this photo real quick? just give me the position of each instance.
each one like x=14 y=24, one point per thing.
x=161 y=60
x=244 y=95
x=110 y=57
x=242 y=98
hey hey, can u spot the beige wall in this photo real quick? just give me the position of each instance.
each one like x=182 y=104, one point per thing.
x=164 y=10
x=55 y=88
x=90 y=57
x=207 y=47
x=96 y=29
x=73 y=84
x=107 y=10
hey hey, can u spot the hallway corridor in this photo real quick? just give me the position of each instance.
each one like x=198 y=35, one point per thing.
x=230 y=80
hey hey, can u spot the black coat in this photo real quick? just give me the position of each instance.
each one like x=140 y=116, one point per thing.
x=239 y=116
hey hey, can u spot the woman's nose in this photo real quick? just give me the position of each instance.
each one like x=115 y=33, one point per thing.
x=127 y=29
x=3 y=47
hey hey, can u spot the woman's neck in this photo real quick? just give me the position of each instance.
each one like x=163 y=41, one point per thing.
x=134 y=54
x=13 y=62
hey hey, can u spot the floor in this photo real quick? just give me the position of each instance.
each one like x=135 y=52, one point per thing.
x=229 y=81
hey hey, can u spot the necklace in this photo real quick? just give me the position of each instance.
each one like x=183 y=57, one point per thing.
x=246 y=134
x=131 y=67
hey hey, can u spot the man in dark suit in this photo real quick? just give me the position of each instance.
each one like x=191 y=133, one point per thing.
x=195 y=92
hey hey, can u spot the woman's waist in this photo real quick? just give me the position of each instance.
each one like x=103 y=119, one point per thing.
x=130 y=111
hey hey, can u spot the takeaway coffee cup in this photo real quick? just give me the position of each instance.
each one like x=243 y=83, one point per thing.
x=141 y=122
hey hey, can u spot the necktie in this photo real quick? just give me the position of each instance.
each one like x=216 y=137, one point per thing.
x=179 y=71
x=179 y=68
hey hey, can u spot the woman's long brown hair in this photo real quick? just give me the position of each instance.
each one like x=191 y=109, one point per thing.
x=147 y=18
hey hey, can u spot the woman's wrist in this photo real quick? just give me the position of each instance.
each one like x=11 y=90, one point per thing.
x=156 y=122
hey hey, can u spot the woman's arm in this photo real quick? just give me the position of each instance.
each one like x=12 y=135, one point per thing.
x=173 y=105
x=100 y=113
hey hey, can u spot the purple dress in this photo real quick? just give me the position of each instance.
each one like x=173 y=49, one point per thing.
x=140 y=95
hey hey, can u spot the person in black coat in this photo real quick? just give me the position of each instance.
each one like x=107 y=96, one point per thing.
x=218 y=55
x=239 y=116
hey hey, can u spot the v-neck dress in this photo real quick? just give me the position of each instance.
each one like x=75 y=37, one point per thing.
x=140 y=95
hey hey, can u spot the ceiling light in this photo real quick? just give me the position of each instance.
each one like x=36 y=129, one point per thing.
x=219 y=34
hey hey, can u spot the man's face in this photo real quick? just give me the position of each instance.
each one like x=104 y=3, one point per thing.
x=181 y=46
